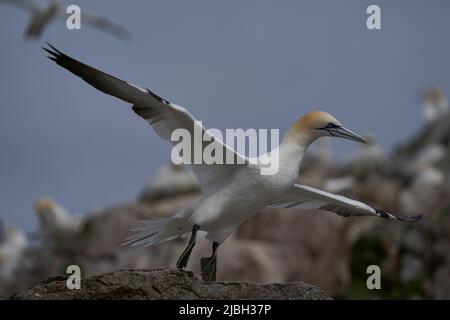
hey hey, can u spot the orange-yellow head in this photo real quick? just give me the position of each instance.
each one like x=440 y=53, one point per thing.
x=318 y=124
x=42 y=205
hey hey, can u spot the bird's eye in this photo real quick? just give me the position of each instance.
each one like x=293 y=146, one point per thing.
x=330 y=125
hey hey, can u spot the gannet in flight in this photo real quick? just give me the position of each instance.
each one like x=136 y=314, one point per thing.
x=232 y=193
x=41 y=17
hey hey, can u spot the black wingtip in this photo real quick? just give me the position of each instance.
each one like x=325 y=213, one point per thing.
x=386 y=215
x=410 y=218
x=53 y=48
x=154 y=95
x=49 y=51
x=55 y=54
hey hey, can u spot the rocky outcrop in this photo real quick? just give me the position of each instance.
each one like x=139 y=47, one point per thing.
x=166 y=284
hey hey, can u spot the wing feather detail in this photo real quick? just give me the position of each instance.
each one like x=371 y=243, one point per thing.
x=305 y=197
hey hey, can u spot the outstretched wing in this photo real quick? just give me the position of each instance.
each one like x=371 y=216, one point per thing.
x=164 y=117
x=304 y=197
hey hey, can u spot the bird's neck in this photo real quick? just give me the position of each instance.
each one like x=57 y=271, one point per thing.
x=288 y=155
x=300 y=136
x=299 y=139
x=292 y=149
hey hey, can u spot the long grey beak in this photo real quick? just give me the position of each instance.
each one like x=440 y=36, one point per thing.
x=342 y=132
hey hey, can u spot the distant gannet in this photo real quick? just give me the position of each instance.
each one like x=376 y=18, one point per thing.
x=232 y=193
x=12 y=245
x=41 y=17
x=55 y=222
x=436 y=105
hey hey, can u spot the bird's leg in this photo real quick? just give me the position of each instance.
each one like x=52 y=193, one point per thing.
x=209 y=265
x=184 y=258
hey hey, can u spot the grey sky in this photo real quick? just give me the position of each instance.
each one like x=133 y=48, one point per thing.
x=233 y=64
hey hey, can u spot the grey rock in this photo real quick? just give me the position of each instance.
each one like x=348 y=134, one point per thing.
x=166 y=284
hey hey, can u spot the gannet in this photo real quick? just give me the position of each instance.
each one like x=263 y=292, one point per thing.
x=55 y=221
x=436 y=105
x=12 y=245
x=232 y=193
x=41 y=17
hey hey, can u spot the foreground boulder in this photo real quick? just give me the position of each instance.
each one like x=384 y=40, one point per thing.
x=166 y=284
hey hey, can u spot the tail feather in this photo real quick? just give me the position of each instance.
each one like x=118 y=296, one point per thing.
x=156 y=231
x=152 y=225
x=137 y=240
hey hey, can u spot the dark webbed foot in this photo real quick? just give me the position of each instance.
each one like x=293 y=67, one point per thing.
x=208 y=269
x=184 y=258
x=209 y=265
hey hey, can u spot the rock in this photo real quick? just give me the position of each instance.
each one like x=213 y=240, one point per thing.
x=166 y=284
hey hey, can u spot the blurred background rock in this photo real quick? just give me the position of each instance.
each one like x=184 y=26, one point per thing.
x=277 y=245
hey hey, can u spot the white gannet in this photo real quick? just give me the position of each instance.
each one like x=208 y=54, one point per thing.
x=55 y=221
x=13 y=242
x=436 y=105
x=42 y=16
x=232 y=193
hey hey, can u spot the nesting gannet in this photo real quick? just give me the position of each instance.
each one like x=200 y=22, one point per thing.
x=436 y=105
x=232 y=193
x=55 y=222
x=12 y=245
x=42 y=16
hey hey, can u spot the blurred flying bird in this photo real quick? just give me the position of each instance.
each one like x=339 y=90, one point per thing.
x=42 y=16
x=12 y=245
x=232 y=193
x=436 y=105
